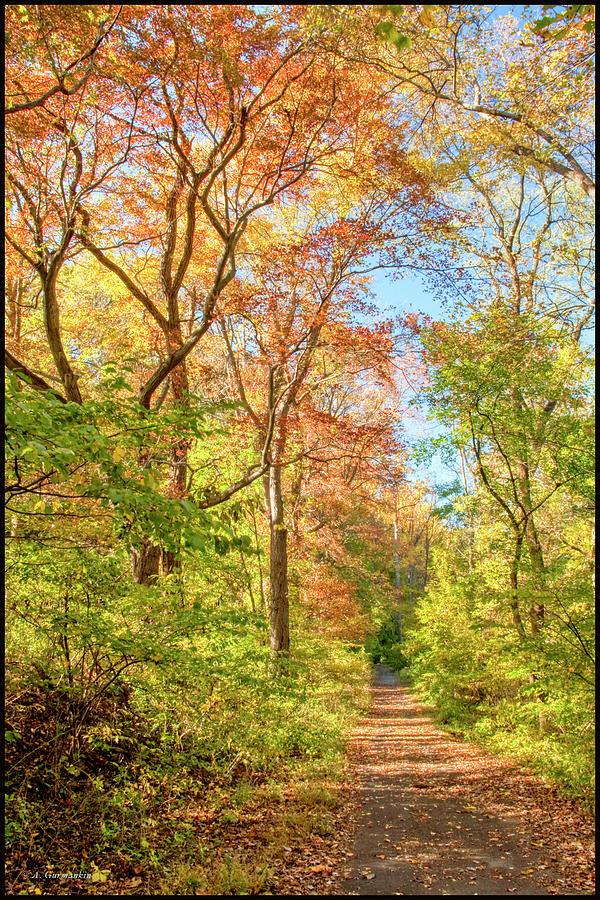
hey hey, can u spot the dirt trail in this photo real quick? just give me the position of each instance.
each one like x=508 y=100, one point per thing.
x=440 y=816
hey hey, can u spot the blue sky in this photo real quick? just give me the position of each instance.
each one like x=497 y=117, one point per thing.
x=409 y=294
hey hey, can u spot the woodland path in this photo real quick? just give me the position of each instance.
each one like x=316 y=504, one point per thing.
x=435 y=815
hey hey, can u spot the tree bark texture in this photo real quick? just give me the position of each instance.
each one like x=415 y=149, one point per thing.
x=145 y=563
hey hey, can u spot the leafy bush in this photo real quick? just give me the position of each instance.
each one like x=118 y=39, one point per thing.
x=530 y=696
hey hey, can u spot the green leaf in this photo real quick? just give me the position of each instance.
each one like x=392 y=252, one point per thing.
x=194 y=540
x=383 y=29
x=401 y=41
x=119 y=453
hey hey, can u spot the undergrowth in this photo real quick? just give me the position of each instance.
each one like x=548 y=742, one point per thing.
x=486 y=696
x=157 y=785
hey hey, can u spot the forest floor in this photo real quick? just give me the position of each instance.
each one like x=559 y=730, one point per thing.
x=416 y=811
x=435 y=815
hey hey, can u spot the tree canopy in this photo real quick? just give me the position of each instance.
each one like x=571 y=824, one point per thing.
x=210 y=479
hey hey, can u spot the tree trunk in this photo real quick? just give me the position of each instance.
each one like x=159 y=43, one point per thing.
x=145 y=563
x=278 y=601
x=536 y=611
x=514 y=585
x=52 y=325
x=178 y=451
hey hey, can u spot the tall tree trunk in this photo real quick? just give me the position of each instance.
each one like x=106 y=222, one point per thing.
x=514 y=584
x=536 y=611
x=278 y=600
x=178 y=452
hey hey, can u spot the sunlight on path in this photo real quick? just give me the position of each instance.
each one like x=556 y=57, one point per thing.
x=429 y=824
